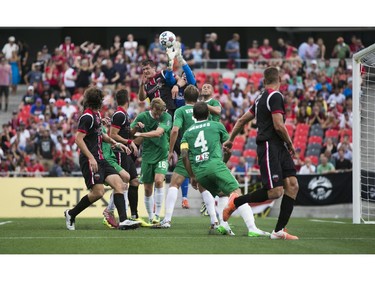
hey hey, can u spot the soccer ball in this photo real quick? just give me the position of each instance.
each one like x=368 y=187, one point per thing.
x=167 y=39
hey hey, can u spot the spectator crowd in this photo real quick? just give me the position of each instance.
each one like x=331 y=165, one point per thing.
x=39 y=139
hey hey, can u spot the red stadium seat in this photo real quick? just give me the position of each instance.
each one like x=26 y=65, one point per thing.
x=238 y=145
x=315 y=139
x=250 y=153
x=243 y=74
x=240 y=139
x=234 y=160
x=252 y=133
x=228 y=81
x=314 y=160
x=332 y=133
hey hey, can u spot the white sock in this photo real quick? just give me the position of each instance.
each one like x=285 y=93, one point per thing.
x=149 y=203
x=222 y=202
x=126 y=200
x=111 y=204
x=170 y=202
x=159 y=195
x=246 y=213
x=210 y=205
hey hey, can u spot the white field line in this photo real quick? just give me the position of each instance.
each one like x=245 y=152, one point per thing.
x=329 y=221
x=179 y=237
x=5 y=222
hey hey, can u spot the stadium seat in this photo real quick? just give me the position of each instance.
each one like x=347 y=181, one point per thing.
x=229 y=74
x=301 y=127
x=251 y=143
x=314 y=146
x=252 y=133
x=316 y=139
x=314 y=160
x=215 y=76
x=234 y=160
x=228 y=82
x=238 y=146
x=312 y=152
x=250 y=161
x=237 y=152
x=242 y=81
x=250 y=153
x=239 y=138
x=332 y=133
x=243 y=74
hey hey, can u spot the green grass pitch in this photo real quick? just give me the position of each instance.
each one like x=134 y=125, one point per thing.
x=188 y=235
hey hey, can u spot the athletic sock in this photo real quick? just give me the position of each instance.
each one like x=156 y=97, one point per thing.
x=210 y=205
x=222 y=202
x=159 y=194
x=286 y=209
x=133 y=200
x=149 y=204
x=184 y=188
x=126 y=200
x=247 y=215
x=111 y=203
x=119 y=200
x=259 y=195
x=170 y=202
x=82 y=204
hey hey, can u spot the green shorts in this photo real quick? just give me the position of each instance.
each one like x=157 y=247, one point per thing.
x=180 y=168
x=148 y=170
x=218 y=180
x=115 y=165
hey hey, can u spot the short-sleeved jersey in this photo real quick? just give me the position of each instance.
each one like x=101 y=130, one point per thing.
x=204 y=140
x=267 y=103
x=183 y=117
x=154 y=149
x=157 y=87
x=120 y=120
x=107 y=150
x=90 y=123
x=214 y=102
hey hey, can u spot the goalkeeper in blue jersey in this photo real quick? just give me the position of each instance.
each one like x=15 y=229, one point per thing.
x=187 y=78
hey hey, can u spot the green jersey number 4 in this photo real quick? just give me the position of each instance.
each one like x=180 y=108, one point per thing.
x=200 y=141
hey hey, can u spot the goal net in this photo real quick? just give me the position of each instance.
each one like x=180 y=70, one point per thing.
x=364 y=136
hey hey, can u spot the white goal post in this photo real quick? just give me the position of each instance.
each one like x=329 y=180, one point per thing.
x=364 y=136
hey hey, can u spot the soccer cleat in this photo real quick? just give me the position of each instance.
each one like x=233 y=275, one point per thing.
x=225 y=231
x=258 y=233
x=109 y=219
x=163 y=224
x=185 y=203
x=283 y=234
x=156 y=219
x=70 y=222
x=213 y=229
x=228 y=211
x=143 y=222
x=203 y=209
x=128 y=224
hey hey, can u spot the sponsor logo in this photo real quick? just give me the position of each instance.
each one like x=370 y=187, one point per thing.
x=320 y=188
x=275 y=178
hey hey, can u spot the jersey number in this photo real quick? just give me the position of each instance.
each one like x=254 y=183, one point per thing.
x=200 y=141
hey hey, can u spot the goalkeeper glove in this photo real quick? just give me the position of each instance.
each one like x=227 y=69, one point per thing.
x=180 y=58
x=171 y=54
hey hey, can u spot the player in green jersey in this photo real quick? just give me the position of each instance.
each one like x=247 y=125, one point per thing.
x=110 y=156
x=183 y=119
x=202 y=154
x=153 y=126
x=214 y=108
